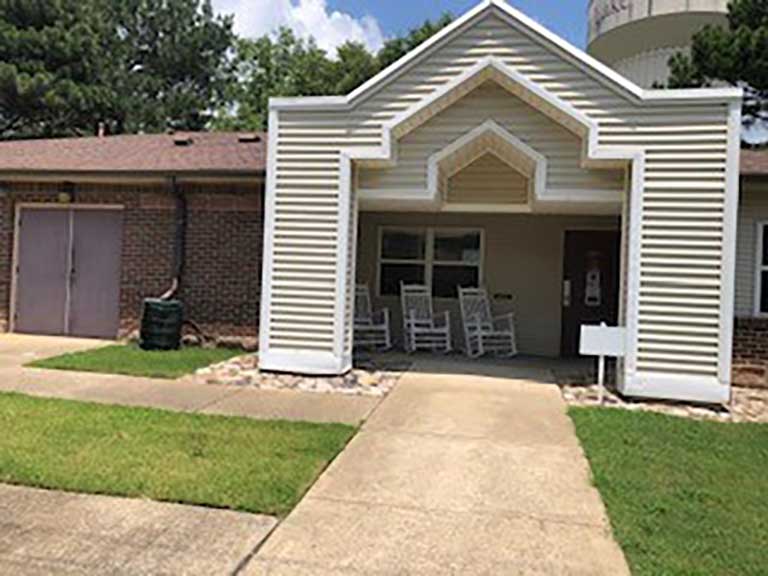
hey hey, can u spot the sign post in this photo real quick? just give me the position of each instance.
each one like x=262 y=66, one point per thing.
x=602 y=341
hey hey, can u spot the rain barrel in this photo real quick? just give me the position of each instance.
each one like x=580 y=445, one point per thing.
x=161 y=324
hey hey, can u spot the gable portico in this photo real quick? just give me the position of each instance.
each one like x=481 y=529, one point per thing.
x=576 y=138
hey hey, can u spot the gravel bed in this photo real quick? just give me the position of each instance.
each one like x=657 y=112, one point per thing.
x=748 y=404
x=370 y=377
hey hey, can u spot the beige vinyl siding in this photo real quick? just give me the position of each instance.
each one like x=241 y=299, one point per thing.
x=561 y=147
x=681 y=249
x=488 y=180
x=753 y=209
x=534 y=285
x=680 y=255
x=305 y=240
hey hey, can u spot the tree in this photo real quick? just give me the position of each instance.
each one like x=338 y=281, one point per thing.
x=50 y=68
x=135 y=65
x=396 y=48
x=284 y=65
x=737 y=55
x=268 y=67
x=354 y=65
x=169 y=63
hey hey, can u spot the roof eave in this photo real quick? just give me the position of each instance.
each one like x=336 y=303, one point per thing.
x=31 y=175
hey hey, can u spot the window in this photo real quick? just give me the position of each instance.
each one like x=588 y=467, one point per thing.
x=443 y=258
x=761 y=270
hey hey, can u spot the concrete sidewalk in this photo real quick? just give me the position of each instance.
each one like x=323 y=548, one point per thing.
x=185 y=395
x=469 y=475
x=50 y=532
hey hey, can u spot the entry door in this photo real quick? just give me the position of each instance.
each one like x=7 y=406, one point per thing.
x=590 y=283
x=69 y=272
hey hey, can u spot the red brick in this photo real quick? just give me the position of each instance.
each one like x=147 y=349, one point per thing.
x=222 y=282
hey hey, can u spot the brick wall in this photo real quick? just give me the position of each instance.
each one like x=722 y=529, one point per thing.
x=750 y=352
x=221 y=286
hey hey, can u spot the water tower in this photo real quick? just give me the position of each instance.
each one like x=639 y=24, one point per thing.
x=637 y=37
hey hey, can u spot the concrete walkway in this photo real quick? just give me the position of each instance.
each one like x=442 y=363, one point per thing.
x=48 y=532
x=470 y=475
x=185 y=395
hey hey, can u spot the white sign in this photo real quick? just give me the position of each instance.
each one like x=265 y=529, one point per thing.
x=603 y=341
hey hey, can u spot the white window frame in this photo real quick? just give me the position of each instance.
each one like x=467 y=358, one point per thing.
x=761 y=227
x=428 y=262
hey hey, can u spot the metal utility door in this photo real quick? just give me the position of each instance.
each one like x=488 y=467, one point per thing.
x=69 y=272
x=94 y=309
x=590 y=283
x=42 y=271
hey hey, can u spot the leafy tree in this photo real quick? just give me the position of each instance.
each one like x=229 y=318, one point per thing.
x=396 y=48
x=354 y=66
x=50 y=68
x=266 y=67
x=284 y=65
x=737 y=55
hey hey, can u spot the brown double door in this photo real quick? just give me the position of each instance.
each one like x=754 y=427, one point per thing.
x=68 y=272
x=590 y=283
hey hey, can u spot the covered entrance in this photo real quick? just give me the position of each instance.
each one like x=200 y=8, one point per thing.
x=524 y=260
x=68 y=262
x=495 y=134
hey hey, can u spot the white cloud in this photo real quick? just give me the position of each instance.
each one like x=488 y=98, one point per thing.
x=331 y=28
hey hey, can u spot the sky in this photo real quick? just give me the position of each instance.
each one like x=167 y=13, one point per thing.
x=333 y=22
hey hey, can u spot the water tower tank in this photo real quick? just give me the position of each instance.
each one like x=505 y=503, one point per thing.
x=637 y=37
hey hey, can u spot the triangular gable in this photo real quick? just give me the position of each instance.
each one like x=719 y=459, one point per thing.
x=510 y=79
x=524 y=25
x=490 y=137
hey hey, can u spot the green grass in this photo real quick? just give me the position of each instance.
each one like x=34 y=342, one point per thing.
x=684 y=497
x=133 y=361
x=236 y=463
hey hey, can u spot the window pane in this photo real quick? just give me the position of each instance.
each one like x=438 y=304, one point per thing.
x=457 y=246
x=764 y=233
x=403 y=245
x=764 y=293
x=447 y=279
x=393 y=274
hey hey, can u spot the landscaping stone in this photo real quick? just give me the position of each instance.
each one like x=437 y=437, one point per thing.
x=747 y=405
x=370 y=377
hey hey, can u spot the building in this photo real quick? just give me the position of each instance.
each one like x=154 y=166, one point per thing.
x=494 y=154
x=487 y=155
x=89 y=227
x=637 y=37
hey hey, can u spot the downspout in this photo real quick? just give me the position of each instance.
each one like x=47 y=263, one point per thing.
x=179 y=240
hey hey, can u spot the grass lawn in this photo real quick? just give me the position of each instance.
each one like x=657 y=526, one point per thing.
x=684 y=497
x=133 y=361
x=235 y=463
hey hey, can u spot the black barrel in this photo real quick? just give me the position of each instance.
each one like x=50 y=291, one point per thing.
x=161 y=324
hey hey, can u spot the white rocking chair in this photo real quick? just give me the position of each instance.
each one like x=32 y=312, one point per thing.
x=422 y=329
x=371 y=328
x=482 y=332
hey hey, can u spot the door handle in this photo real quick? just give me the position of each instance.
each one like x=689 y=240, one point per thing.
x=566 y=293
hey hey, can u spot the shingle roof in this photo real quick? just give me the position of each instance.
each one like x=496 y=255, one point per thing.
x=207 y=152
x=754 y=162
x=204 y=153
